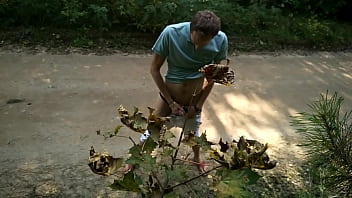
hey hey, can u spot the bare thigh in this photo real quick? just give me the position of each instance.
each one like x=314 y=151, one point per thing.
x=161 y=108
x=182 y=93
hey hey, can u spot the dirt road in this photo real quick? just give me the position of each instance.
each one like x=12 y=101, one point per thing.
x=44 y=140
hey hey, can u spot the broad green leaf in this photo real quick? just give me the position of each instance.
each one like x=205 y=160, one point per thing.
x=233 y=182
x=154 y=131
x=203 y=142
x=136 y=110
x=246 y=175
x=128 y=183
x=230 y=188
x=143 y=159
x=167 y=151
x=169 y=135
x=136 y=157
x=149 y=145
x=135 y=150
x=135 y=160
x=249 y=176
x=172 y=195
x=140 y=122
x=148 y=162
x=179 y=173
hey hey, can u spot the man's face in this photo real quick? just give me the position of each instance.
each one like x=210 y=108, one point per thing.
x=199 y=39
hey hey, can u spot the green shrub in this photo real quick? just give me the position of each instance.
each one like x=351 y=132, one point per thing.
x=265 y=20
x=30 y=12
x=326 y=9
x=73 y=11
x=160 y=170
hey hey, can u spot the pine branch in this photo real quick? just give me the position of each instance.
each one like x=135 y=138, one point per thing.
x=328 y=140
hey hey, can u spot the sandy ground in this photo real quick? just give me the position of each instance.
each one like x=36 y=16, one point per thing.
x=44 y=141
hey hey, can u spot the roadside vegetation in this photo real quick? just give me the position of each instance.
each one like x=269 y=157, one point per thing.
x=327 y=137
x=252 y=25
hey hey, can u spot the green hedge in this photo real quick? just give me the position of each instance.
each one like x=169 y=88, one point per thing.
x=312 y=20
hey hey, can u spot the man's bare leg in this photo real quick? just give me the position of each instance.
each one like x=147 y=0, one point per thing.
x=200 y=164
x=162 y=109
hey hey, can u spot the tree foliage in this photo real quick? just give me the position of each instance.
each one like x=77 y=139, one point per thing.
x=327 y=136
x=250 y=24
x=153 y=16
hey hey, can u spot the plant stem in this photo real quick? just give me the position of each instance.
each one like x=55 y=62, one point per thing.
x=129 y=137
x=183 y=130
x=192 y=162
x=193 y=178
x=157 y=179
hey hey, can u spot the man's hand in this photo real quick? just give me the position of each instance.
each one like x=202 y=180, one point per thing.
x=192 y=111
x=209 y=71
x=176 y=109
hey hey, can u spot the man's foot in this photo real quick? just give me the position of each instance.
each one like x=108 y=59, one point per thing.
x=201 y=167
x=200 y=164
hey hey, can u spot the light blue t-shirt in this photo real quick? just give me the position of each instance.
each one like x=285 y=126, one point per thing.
x=184 y=61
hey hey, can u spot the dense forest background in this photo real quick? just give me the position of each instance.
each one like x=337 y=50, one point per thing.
x=320 y=24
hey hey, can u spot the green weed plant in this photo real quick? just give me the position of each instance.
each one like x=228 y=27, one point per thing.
x=159 y=170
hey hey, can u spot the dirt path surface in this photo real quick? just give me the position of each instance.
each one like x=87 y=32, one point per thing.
x=45 y=139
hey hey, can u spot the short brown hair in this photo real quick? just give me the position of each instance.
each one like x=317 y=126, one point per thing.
x=206 y=22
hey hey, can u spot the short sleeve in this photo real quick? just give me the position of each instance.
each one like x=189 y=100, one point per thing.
x=222 y=54
x=161 y=45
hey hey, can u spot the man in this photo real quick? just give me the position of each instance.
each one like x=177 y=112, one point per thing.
x=187 y=47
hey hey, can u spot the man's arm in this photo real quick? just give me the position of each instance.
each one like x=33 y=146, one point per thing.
x=207 y=87
x=157 y=62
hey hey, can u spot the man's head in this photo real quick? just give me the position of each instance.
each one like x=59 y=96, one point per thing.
x=204 y=26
